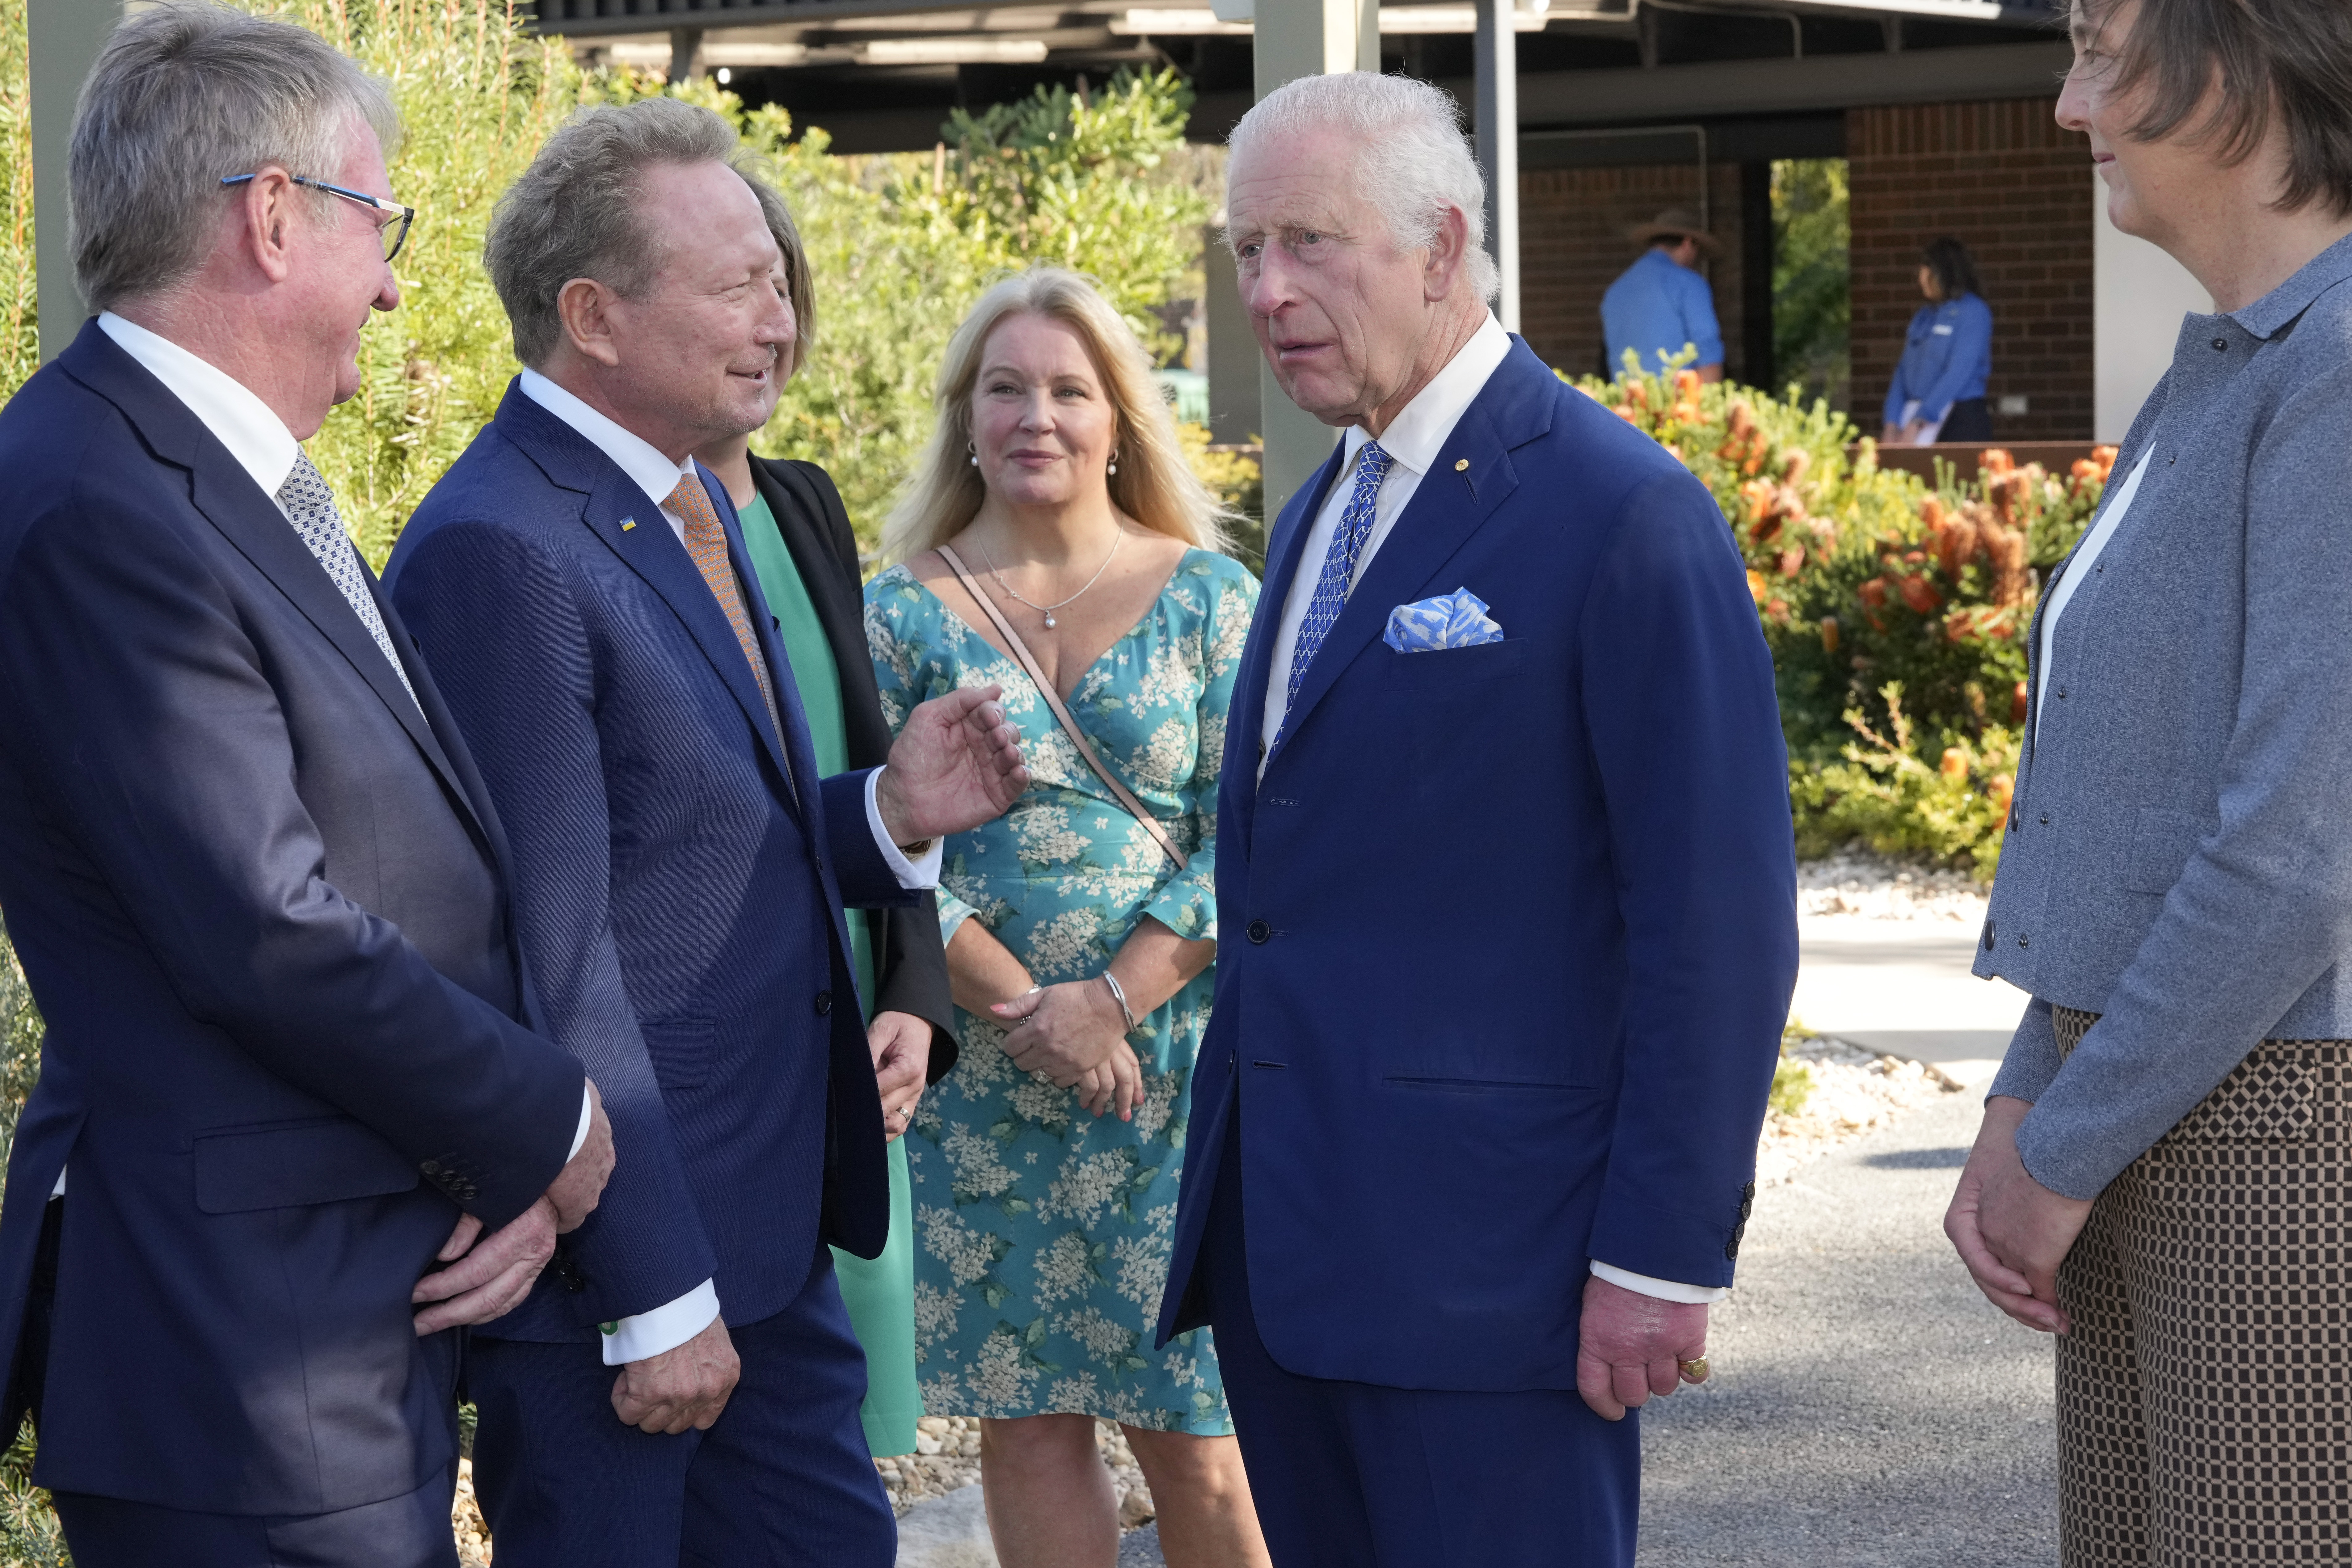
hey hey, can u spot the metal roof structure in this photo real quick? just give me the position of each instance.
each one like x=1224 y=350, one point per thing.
x=880 y=75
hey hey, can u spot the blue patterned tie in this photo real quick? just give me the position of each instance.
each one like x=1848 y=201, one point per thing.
x=1339 y=573
x=309 y=506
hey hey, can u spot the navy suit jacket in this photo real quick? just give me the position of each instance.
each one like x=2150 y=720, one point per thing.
x=680 y=901
x=1566 y=856
x=262 y=903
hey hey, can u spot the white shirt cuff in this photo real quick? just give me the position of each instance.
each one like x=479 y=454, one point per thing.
x=587 y=1119
x=918 y=875
x=664 y=1329
x=1664 y=1289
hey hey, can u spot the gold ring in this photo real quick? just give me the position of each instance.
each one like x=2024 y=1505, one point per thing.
x=1694 y=1371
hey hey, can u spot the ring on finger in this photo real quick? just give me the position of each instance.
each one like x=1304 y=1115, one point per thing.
x=1694 y=1370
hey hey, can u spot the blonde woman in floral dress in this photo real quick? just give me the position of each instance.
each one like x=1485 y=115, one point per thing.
x=1045 y=1167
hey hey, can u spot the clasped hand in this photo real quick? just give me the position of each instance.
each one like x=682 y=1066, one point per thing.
x=2010 y=1231
x=1074 y=1035
x=489 y=1280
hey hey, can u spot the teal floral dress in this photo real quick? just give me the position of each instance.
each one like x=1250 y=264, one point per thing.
x=1043 y=1232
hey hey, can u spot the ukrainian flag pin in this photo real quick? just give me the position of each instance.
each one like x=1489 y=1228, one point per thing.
x=627 y=523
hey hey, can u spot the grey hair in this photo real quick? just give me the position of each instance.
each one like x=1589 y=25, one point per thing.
x=574 y=213
x=184 y=96
x=1413 y=161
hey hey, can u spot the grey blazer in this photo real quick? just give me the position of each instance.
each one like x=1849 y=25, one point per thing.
x=2178 y=855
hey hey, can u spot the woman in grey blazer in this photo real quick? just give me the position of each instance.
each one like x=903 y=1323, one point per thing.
x=2164 y=1177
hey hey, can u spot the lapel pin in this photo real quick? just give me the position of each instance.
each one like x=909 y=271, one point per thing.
x=1461 y=465
x=627 y=523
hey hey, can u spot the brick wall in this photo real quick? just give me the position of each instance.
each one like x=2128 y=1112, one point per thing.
x=1572 y=246
x=2006 y=181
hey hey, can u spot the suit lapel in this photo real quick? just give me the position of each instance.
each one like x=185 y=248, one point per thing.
x=634 y=528
x=226 y=494
x=1451 y=504
x=1284 y=547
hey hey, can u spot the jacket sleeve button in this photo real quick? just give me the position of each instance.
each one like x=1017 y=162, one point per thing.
x=1989 y=936
x=1259 y=930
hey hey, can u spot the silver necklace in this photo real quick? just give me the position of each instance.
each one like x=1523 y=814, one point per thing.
x=1047 y=610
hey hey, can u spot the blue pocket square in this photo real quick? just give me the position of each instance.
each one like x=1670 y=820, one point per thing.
x=1451 y=620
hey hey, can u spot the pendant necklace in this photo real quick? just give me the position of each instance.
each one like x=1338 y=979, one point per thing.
x=1047 y=610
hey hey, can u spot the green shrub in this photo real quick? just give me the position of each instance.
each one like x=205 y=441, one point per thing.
x=1897 y=612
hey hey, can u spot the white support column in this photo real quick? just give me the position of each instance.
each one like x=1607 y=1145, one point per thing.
x=62 y=37
x=1497 y=60
x=1296 y=38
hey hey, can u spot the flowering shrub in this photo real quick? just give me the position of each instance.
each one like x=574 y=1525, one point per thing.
x=1896 y=611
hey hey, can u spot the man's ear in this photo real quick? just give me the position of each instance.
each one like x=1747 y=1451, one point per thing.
x=266 y=217
x=1447 y=249
x=584 y=306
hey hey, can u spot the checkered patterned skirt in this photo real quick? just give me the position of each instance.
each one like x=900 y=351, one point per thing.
x=2205 y=1393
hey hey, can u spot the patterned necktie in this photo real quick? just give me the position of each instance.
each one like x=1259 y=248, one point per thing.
x=1372 y=466
x=310 y=505
x=706 y=541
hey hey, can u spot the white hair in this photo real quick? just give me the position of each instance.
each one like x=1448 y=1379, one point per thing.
x=1413 y=161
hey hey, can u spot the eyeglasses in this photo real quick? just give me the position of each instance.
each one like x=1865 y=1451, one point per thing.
x=395 y=233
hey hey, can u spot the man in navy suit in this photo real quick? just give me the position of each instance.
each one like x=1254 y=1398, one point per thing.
x=685 y=1388
x=1517 y=755
x=254 y=878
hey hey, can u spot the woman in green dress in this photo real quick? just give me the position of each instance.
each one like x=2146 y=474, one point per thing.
x=805 y=557
x=1055 y=542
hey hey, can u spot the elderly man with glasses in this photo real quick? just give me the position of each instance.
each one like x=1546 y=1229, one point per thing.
x=293 y=1125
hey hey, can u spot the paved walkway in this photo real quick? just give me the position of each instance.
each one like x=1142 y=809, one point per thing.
x=1869 y=1409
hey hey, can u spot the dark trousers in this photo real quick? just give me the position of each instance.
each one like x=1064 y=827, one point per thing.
x=782 y=1480
x=411 y=1532
x=1968 y=420
x=1354 y=1475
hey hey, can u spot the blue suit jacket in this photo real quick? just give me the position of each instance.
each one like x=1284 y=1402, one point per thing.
x=262 y=903
x=680 y=903
x=1567 y=858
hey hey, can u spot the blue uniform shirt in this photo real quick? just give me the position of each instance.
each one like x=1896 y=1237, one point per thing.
x=1658 y=308
x=1946 y=355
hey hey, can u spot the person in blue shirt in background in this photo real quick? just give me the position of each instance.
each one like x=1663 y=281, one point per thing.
x=1660 y=306
x=1939 y=387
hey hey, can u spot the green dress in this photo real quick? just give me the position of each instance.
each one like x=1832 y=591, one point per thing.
x=880 y=1295
x=1045 y=1231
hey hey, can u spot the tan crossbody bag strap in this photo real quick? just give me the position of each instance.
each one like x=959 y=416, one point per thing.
x=1028 y=661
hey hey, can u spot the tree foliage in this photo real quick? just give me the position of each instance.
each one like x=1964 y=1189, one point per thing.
x=1811 y=297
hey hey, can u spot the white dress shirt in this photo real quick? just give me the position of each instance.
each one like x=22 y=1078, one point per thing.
x=262 y=447
x=2085 y=560
x=668 y=1327
x=1413 y=440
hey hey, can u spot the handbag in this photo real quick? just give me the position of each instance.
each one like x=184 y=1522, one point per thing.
x=1028 y=663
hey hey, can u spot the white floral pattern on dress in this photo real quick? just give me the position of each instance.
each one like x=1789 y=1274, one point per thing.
x=1043 y=1233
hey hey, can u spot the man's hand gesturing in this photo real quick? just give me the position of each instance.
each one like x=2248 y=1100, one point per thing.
x=1630 y=1346
x=955 y=766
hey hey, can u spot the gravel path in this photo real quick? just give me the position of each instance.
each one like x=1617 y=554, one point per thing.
x=1868 y=1409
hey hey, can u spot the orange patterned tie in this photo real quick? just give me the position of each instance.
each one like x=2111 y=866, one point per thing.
x=706 y=541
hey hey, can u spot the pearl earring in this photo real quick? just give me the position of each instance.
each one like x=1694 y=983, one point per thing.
x=1114 y=459
x=974 y=452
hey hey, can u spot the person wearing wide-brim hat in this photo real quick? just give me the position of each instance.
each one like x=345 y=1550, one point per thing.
x=1660 y=307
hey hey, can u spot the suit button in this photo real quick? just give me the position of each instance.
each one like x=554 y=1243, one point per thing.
x=2014 y=820
x=2062 y=694
x=2021 y=940
x=1988 y=934
x=2045 y=819
x=1259 y=930
x=823 y=1003
x=431 y=1167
